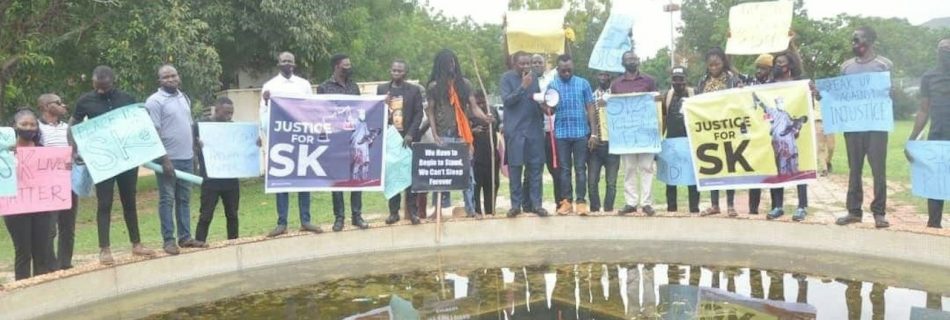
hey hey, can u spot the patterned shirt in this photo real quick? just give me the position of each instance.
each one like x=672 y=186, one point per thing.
x=571 y=110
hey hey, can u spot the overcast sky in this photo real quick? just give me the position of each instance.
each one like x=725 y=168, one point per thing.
x=656 y=34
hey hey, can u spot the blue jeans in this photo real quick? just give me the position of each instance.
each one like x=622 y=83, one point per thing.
x=572 y=158
x=177 y=193
x=283 y=205
x=600 y=157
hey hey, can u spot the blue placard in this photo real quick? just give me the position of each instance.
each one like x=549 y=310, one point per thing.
x=230 y=149
x=117 y=141
x=675 y=163
x=614 y=40
x=930 y=169
x=857 y=103
x=7 y=163
x=398 y=164
x=633 y=124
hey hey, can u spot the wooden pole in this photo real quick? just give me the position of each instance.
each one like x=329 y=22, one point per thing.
x=491 y=139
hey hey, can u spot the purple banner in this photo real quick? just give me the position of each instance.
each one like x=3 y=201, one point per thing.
x=325 y=143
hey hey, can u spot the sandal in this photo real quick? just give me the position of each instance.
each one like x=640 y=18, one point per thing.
x=732 y=212
x=709 y=211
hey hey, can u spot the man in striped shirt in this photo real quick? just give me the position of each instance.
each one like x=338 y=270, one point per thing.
x=53 y=130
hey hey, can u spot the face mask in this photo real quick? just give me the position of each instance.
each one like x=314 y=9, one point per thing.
x=26 y=134
x=679 y=88
x=945 y=58
x=779 y=72
x=287 y=70
x=348 y=72
x=632 y=67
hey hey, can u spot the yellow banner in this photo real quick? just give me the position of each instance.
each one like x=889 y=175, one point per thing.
x=536 y=31
x=754 y=137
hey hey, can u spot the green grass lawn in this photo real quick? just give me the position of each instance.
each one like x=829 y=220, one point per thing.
x=258 y=214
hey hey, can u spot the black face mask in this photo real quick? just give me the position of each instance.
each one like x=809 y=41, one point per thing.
x=945 y=58
x=679 y=88
x=779 y=72
x=26 y=134
x=287 y=70
x=348 y=72
x=631 y=67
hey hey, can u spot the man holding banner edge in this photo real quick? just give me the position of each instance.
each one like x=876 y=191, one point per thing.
x=935 y=107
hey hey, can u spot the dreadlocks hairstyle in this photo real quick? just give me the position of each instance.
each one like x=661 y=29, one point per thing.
x=442 y=74
x=23 y=112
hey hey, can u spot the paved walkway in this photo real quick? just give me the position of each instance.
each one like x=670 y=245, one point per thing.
x=826 y=203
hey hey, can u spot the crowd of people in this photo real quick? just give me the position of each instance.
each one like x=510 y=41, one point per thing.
x=567 y=138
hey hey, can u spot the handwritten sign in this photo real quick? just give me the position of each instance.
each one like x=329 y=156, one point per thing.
x=759 y=27
x=614 y=40
x=675 y=163
x=117 y=141
x=397 y=164
x=857 y=103
x=930 y=170
x=44 y=181
x=7 y=163
x=440 y=168
x=230 y=149
x=535 y=31
x=633 y=123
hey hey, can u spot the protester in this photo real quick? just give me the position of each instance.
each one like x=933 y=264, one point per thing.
x=638 y=168
x=286 y=82
x=212 y=189
x=406 y=118
x=170 y=110
x=872 y=144
x=538 y=67
x=29 y=231
x=785 y=66
x=719 y=76
x=524 y=137
x=763 y=75
x=341 y=82
x=675 y=127
x=935 y=107
x=53 y=131
x=572 y=128
x=600 y=157
x=487 y=163
x=450 y=101
x=103 y=99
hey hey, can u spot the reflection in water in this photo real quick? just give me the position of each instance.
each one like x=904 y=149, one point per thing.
x=569 y=293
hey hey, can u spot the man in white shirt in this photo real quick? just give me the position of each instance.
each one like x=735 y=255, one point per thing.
x=539 y=66
x=286 y=83
x=53 y=130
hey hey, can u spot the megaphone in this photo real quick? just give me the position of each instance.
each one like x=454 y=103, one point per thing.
x=550 y=97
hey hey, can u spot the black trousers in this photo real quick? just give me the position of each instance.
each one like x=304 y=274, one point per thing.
x=356 y=204
x=730 y=198
x=62 y=225
x=126 y=182
x=396 y=202
x=30 y=234
x=778 y=196
x=935 y=212
x=693 y=196
x=872 y=145
x=230 y=199
x=484 y=190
